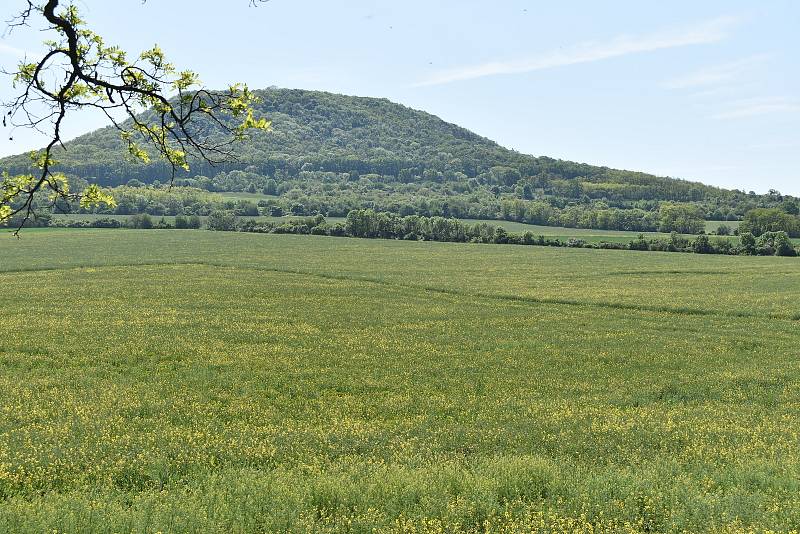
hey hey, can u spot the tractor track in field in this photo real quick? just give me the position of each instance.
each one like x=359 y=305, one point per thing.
x=520 y=299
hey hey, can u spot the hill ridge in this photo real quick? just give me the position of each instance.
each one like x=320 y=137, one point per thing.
x=270 y=107
x=329 y=153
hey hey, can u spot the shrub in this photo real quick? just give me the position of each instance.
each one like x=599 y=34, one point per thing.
x=723 y=246
x=528 y=239
x=774 y=244
x=678 y=242
x=246 y=209
x=640 y=243
x=514 y=239
x=783 y=245
x=106 y=222
x=221 y=221
x=701 y=245
x=500 y=235
x=141 y=221
x=747 y=243
x=661 y=245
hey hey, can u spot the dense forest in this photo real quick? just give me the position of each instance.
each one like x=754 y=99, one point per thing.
x=330 y=154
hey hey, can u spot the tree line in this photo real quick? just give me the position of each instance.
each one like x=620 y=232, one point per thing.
x=136 y=198
x=370 y=224
x=764 y=220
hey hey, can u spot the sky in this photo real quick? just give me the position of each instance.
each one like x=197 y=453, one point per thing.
x=706 y=91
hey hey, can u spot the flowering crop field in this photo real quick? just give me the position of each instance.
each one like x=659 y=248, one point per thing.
x=193 y=381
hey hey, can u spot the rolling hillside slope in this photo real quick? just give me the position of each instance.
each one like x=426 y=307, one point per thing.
x=330 y=153
x=337 y=133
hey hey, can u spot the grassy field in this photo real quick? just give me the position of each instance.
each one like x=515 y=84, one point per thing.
x=213 y=382
x=711 y=226
x=251 y=197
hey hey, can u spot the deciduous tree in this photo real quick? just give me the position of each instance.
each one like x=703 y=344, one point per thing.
x=79 y=71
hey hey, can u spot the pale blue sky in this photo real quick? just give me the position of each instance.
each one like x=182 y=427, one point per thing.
x=707 y=91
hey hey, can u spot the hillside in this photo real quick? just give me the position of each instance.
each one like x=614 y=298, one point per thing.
x=330 y=153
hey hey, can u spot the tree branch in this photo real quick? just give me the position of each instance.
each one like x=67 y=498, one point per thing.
x=93 y=75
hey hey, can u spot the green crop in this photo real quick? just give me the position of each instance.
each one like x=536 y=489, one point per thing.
x=218 y=382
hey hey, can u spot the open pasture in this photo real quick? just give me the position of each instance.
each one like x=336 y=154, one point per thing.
x=220 y=382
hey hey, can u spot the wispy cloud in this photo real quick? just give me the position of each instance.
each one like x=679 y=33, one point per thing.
x=755 y=107
x=8 y=50
x=710 y=31
x=775 y=145
x=718 y=74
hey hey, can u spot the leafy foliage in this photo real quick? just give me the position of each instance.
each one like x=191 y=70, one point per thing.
x=78 y=71
x=763 y=220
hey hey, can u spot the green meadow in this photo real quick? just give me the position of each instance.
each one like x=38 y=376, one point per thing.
x=195 y=381
x=250 y=197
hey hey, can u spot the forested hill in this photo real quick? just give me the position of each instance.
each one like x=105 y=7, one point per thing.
x=329 y=153
x=321 y=131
